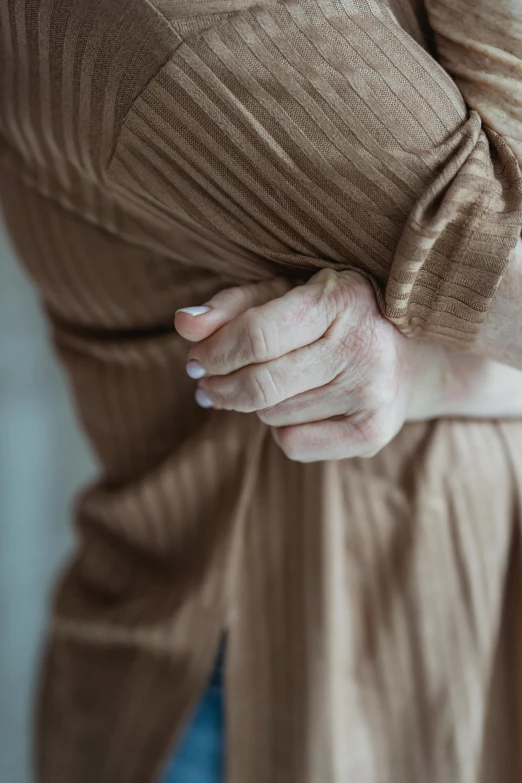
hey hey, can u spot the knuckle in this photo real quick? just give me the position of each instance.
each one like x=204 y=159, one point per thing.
x=351 y=293
x=357 y=288
x=344 y=297
x=260 y=388
x=260 y=337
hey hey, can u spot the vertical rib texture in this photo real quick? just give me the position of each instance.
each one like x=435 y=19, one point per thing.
x=153 y=152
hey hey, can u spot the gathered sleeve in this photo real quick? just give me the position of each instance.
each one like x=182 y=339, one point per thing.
x=322 y=133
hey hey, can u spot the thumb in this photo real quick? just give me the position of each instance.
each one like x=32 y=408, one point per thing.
x=198 y=323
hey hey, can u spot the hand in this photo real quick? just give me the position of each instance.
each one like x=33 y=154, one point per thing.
x=317 y=363
x=333 y=379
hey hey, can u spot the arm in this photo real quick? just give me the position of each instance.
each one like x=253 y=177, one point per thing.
x=451 y=384
x=480 y=45
x=340 y=143
x=501 y=335
x=320 y=365
x=482 y=389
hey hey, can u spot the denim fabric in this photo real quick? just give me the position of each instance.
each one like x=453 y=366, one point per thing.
x=200 y=756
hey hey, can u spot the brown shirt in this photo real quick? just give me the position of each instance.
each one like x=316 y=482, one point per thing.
x=153 y=152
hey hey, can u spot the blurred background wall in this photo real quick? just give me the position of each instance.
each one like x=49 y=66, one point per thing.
x=43 y=461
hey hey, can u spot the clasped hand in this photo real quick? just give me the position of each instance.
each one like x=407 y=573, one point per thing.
x=317 y=362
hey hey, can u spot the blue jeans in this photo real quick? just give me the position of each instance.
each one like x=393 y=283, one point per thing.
x=200 y=755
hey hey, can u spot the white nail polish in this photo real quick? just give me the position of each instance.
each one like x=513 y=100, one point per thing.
x=194 y=310
x=195 y=370
x=203 y=400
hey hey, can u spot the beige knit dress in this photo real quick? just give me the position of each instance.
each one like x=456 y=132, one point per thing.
x=153 y=152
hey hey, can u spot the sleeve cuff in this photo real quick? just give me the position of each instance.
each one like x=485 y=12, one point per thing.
x=457 y=243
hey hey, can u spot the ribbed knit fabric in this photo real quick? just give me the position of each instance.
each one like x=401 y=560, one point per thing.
x=481 y=45
x=153 y=152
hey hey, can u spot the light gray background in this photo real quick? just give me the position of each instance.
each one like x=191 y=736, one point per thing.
x=43 y=461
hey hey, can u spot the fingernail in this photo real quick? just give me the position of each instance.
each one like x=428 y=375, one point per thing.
x=194 y=310
x=195 y=370
x=203 y=400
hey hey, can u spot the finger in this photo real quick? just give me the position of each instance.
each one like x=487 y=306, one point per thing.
x=331 y=440
x=261 y=386
x=198 y=323
x=316 y=405
x=267 y=332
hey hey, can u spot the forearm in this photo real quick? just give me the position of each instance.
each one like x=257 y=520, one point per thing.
x=480 y=45
x=479 y=388
x=500 y=338
x=450 y=383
